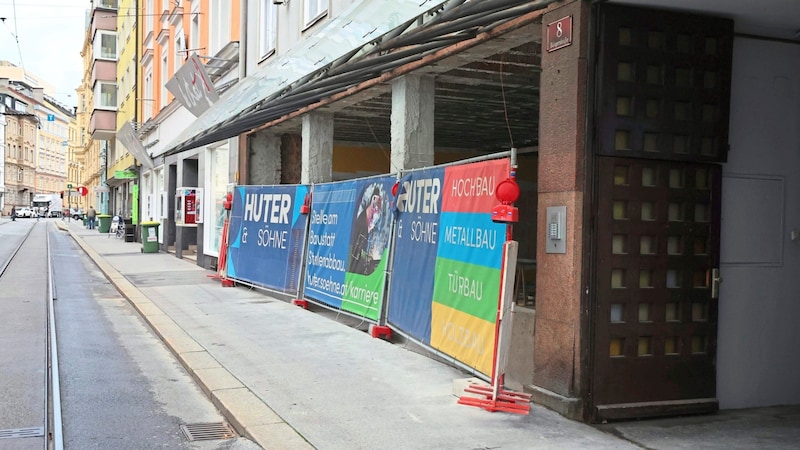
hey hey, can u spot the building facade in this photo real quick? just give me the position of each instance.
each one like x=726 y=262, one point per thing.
x=21 y=131
x=200 y=39
x=664 y=134
x=98 y=101
x=122 y=174
x=54 y=118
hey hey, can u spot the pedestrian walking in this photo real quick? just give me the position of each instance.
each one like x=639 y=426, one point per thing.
x=13 y=213
x=90 y=216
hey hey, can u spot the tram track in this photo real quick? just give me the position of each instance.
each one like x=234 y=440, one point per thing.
x=28 y=249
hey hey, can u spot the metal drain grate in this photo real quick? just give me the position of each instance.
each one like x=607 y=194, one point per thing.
x=22 y=432
x=208 y=431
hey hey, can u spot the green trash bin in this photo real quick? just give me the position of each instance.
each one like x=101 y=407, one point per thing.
x=103 y=223
x=149 y=237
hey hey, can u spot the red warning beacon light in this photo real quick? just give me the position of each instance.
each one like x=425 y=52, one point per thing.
x=306 y=207
x=228 y=202
x=507 y=192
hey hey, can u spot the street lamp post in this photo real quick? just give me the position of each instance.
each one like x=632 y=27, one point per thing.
x=69 y=200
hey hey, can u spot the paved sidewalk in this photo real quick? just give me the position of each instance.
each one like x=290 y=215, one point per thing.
x=288 y=378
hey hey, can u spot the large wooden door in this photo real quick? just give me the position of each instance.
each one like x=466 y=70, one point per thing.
x=663 y=84
x=655 y=307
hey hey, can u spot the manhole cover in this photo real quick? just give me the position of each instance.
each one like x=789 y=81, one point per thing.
x=208 y=431
x=21 y=433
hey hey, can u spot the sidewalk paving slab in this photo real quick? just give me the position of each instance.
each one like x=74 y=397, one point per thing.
x=289 y=378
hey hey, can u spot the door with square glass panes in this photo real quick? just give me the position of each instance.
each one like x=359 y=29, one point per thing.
x=656 y=306
x=662 y=126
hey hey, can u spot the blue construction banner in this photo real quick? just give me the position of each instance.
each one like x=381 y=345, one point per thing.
x=445 y=284
x=267 y=234
x=348 y=245
x=419 y=205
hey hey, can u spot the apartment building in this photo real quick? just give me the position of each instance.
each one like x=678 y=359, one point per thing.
x=20 y=135
x=74 y=166
x=51 y=155
x=96 y=114
x=194 y=41
x=122 y=176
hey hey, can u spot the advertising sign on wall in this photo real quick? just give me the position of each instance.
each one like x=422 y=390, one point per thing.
x=267 y=236
x=447 y=294
x=348 y=242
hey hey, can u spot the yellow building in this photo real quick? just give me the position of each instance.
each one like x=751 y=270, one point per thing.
x=97 y=103
x=121 y=174
x=74 y=167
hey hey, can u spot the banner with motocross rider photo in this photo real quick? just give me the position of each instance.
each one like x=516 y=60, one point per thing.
x=451 y=252
x=348 y=245
x=267 y=233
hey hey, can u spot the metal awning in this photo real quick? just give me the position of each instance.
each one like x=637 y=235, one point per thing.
x=370 y=38
x=362 y=23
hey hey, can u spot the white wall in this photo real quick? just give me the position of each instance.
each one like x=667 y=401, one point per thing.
x=758 y=361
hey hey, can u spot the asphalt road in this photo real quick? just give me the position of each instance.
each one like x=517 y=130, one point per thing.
x=121 y=387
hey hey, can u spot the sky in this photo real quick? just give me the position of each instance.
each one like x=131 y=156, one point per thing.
x=50 y=35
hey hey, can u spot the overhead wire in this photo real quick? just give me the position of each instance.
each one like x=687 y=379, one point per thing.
x=505 y=105
x=15 y=33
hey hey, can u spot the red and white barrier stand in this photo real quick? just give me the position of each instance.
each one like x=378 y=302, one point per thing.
x=301 y=302
x=305 y=209
x=222 y=261
x=495 y=397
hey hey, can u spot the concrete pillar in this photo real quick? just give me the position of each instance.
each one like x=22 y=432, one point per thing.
x=264 y=159
x=412 y=122
x=317 y=151
x=291 y=158
x=560 y=339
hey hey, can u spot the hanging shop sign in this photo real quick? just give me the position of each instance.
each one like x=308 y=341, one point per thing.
x=125 y=174
x=192 y=86
x=130 y=140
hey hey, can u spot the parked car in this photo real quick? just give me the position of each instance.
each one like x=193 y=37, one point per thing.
x=76 y=214
x=25 y=212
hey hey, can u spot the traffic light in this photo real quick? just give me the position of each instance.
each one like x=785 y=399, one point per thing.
x=62 y=194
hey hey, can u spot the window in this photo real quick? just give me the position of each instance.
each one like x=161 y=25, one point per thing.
x=147 y=107
x=105 y=95
x=110 y=4
x=194 y=35
x=216 y=182
x=313 y=10
x=220 y=29
x=148 y=18
x=180 y=50
x=107 y=48
x=268 y=28
x=164 y=76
